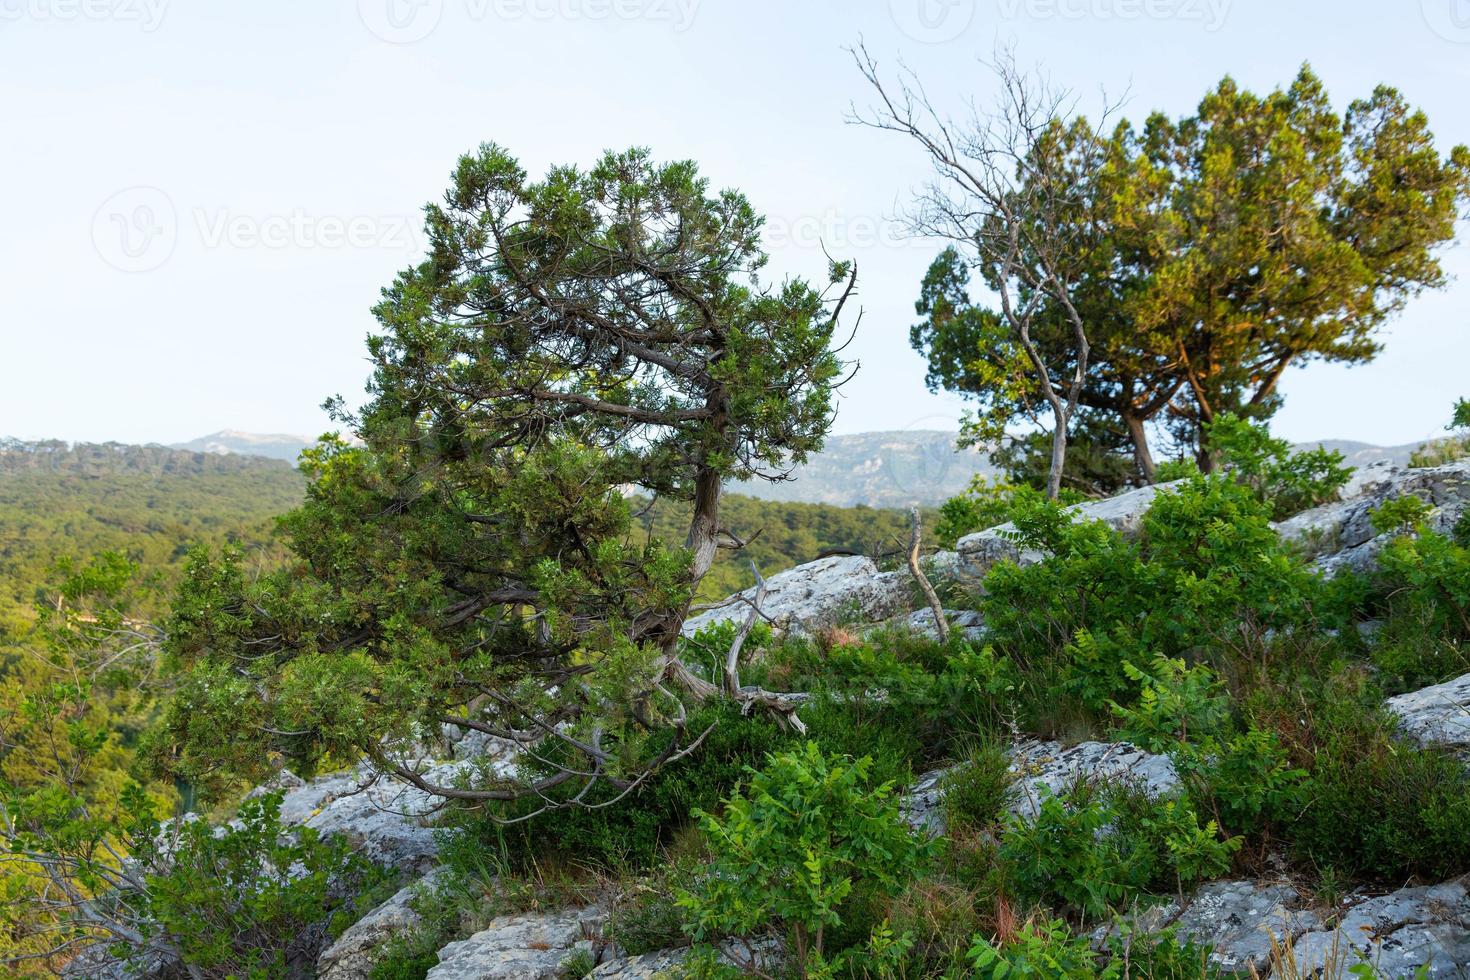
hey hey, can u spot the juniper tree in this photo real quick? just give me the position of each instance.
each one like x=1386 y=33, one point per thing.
x=568 y=345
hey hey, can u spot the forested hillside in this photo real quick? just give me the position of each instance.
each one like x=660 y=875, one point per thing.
x=153 y=503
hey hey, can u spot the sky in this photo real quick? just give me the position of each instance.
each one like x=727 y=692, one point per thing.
x=202 y=198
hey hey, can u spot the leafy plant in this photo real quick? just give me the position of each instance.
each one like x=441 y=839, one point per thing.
x=1288 y=481
x=1175 y=703
x=794 y=846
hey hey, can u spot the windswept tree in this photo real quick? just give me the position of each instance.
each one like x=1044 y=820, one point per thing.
x=1014 y=189
x=568 y=344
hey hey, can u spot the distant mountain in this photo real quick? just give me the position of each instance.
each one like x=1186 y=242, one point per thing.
x=229 y=442
x=1363 y=453
x=872 y=469
x=878 y=469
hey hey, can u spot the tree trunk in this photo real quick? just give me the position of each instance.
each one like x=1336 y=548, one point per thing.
x=1141 y=454
x=1058 y=453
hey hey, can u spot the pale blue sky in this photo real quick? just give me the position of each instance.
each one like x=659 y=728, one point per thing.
x=202 y=199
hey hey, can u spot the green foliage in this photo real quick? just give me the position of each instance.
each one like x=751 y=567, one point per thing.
x=1228 y=245
x=1378 y=807
x=1046 y=948
x=1245 y=780
x=1096 y=851
x=985 y=504
x=1175 y=703
x=250 y=899
x=975 y=792
x=1207 y=573
x=632 y=832
x=1287 y=481
x=804 y=839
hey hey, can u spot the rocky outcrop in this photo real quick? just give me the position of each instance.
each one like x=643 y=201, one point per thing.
x=664 y=964
x=352 y=956
x=387 y=821
x=1047 y=768
x=822 y=593
x=1340 y=535
x=1437 y=717
x=1401 y=933
x=975 y=554
x=967 y=622
x=531 y=946
x=1237 y=919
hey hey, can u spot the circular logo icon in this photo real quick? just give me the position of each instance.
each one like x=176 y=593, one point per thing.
x=1450 y=19
x=135 y=230
x=932 y=21
x=400 y=21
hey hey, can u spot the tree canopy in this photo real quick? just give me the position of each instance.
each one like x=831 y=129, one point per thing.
x=472 y=564
x=1259 y=233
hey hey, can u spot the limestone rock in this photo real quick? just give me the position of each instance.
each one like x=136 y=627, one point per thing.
x=531 y=946
x=1399 y=933
x=664 y=964
x=1041 y=768
x=387 y=821
x=352 y=956
x=976 y=553
x=1340 y=535
x=964 y=621
x=1437 y=716
x=1237 y=918
x=821 y=593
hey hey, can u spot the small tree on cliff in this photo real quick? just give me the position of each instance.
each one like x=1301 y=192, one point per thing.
x=473 y=564
x=1014 y=189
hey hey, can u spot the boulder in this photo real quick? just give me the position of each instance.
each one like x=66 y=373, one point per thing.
x=1238 y=919
x=822 y=593
x=767 y=955
x=975 y=554
x=531 y=946
x=1438 y=716
x=389 y=822
x=1047 y=768
x=1401 y=933
x=967 y=622
x=1340 y=535
x=352 y=956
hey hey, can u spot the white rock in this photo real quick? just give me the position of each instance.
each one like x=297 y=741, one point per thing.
x=1437 y=716
x=1237 y=918
x=352 y=956
x=531 y=946
x=1046 y=768
x=1398 y=933
x=766 y=954
x=825 y=592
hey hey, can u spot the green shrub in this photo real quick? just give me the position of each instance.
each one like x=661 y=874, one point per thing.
x=1244 y=781
x=1379 y=807
x=1045 y=948
x=250 y=898
x=806 y=837
x=983 y=504
x=1288 y=481
x=631 y=832
x=1096 y=850
x=1175 y=703
x=977 y=790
